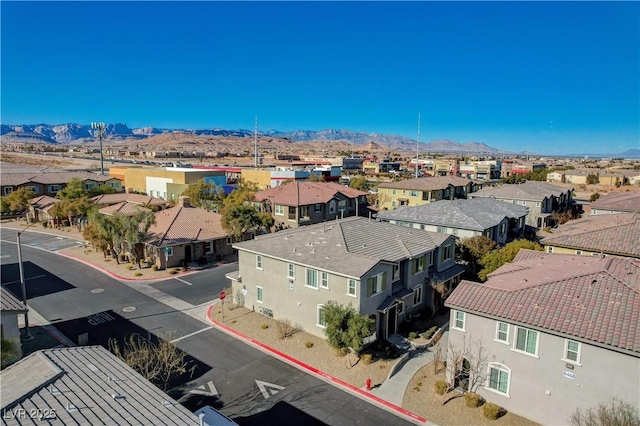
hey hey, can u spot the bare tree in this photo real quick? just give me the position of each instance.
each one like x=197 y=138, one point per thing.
x=285 y=328
x=614 y=412
x=466 y=366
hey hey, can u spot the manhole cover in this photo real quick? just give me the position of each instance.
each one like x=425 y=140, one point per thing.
x=97 y=290
x=129 y=309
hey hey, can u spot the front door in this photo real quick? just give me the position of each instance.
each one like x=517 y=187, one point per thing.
x=187 y=254
x=392 y=320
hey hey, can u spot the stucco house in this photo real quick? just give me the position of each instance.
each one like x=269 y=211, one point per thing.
x=384 y=271
x=616 y=202
x=10 y=308
x=39 y=208
x=153 y=203
x=305 y=203
x=424 y=190
x=464 y=218
x=49 y=183
x=543 y=199
x=560 y=332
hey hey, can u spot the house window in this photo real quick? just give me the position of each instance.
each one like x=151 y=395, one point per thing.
x=396 y=273
x=322 y=321
x=446 y=253
x=441 y=229
x=413 y=193
x=208 y=246
x=400 y=308
x=503 y=228
x=393 y=192
x=279 y=210
x=578 y=251
x=429 y=258
x=317 y=208
x=325 y=280
x=425 y=195
x=527 y=341
x=454 y=231
x=572 y=351
x=417 y=295
x=292 y=213
x=549 y=249
x=259 y=262
x=229 y=241
x=459 y=320
x=351 y=287
x=487 y=233
x=498 y=379
x=417 y=265
x=259 y=294
x=168 y=251
x=89 y=185
x=502 y=332
x=312 y=278
x=304 y=211
x=291 y=271
x=376 y=284
x=332 y=207
x=8 y=190
x=54 y=188
x=394 y=204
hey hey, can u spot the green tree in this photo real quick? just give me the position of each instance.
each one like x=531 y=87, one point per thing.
x=71 y=207
x=470 y=250
x=359 y=182
x=614 y=412
x=495 y=259
x=8 y=350
x=18 y=200
x=135 y=232
x=346 y=328
x=73 y=190
x=102 y=189
x=205 y=194
x=593 y=179
x=594 y=196
x=240 y=219
x=315 y=177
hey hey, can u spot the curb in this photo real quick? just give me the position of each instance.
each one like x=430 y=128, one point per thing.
x=407 y=415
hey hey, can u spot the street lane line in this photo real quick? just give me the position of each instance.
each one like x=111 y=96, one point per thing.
x=186 y=282
x=191 y=334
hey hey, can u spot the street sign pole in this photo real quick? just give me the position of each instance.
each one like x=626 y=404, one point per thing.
x=222 y=296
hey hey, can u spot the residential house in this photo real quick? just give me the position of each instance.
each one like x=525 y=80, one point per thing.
x=84 y=385
x=481 y=169
x=384 y=271
x=555 y=177
x=616 y=202
x=597 y=235
x=185 y=234
x=417 y=191
x=122 y=197
x=543 y=199
x=10 y=308
x=271 y=177
x=462 y=218
x=559 y=332
x=306 y=203
x=39 y=208
x=49 y=183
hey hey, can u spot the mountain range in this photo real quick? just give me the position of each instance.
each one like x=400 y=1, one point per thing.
x=120 y=132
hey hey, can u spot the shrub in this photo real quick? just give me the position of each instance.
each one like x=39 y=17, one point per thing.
x=440 y=386
x=492 y=411
x=129 y=267
x=138 y=274
x=107 y=260
x=412 y=335
x=342 y=351
x=472 y=399
x=285 y=328
x=154 y=268
x=309 y=345
x=429 y=333
x=367 y=359
x=264 y=326
x=173 y=271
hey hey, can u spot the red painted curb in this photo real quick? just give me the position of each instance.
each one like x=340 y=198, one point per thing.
x=314 y=370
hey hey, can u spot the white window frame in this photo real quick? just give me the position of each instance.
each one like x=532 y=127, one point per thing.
x=169 y=252
x=413 y=193
x=395 y=273
x=259 y=262
x=503 y=228
x=550 y=249
x=320 y=308
x=515 y=341
x=259 y=294
x=579 y=252
x=352 y=288
x=456 y=319
x=324 y=279
x=430 y=256
x=291 y=271
x=498 y=331
x=501 y=368
x=279 y=210
x=417 y=295
x=314 y=272
x=447 y=252
x=565 y=358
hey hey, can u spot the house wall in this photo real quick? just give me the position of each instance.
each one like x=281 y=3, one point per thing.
x=11 y=331
x=221 y=247
x=538 y=386
x=262 y=178
x=136 y=178
x=495 y=234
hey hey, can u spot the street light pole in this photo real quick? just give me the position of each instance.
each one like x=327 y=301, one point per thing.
x=99 y=133
x=23 y=285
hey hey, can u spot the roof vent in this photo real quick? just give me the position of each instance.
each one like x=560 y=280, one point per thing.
x=117 y=396
x=313 y=250
x=53 y=390
x=364 y=246
x=293 y=250
x=71 y=408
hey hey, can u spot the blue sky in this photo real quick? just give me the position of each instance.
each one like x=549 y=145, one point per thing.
x=548 y=77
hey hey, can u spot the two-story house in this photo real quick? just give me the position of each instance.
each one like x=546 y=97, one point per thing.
x=49 y=183
x=596 y=235
x=560 y=332
x=418 y=191
x=616 y=202
x=462 y=218
x=384 y=271
x=542 y=198
x=305 y=203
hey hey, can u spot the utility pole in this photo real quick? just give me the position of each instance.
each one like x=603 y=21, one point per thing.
x=23 y=285
x=100 y=134
x=418 y=145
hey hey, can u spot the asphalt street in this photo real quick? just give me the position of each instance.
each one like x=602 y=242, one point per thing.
x=244 y=383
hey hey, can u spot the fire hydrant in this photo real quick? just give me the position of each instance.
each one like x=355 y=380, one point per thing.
x=368 y=384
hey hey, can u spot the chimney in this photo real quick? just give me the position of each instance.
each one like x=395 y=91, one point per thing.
x=184 y=201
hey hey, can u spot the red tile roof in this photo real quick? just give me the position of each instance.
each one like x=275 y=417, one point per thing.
x=618 y=201
x=43 y=202
x=179 y=225
x=125 y=208
x=306 y=193
x=593 y=298
x=130 y=198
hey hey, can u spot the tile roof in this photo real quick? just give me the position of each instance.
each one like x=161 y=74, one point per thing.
x=306 y=193
x=350 y=246
x=588 y=297
x=530 y=191
x=427 y=183
x=179 y=225
x=618 y=201
x=50 y=178
x=475 y=214
x=85 y=385
x=608 y=233
x=8 y=302
x=43 y=202
x=129 y=198
x=124 y=208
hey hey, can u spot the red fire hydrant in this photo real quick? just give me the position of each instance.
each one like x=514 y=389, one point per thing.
x=368 y=384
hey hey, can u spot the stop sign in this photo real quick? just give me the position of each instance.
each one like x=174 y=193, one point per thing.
x=222 y=295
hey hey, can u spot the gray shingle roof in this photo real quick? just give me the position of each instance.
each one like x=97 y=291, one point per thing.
x=476 y=214
x=8 y=302
x=349 y=246
x=590 y=297
x=427 y=183
x=79 y=383
x=608 y=233
x=618 y=201
x=530 y=191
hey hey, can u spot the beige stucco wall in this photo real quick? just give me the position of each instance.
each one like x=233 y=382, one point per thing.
x=260 y=177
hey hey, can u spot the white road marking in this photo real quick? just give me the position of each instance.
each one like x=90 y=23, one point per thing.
x=191 y=334
x=266 y=388
x=186 y=282
x=208 y=389
x=26 y=279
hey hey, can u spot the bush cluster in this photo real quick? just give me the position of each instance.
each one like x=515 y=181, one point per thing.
x=491 y=411
x=473 y=400
x=440 y=386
